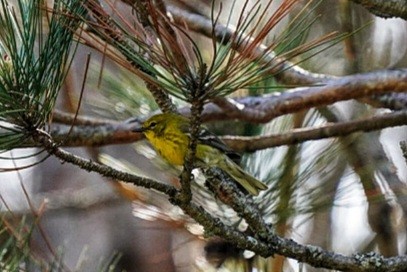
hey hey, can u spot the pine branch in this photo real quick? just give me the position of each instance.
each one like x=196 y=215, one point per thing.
x=267 y=246
x=32 y=72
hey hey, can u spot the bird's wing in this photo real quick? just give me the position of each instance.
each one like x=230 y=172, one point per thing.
x=208 y=138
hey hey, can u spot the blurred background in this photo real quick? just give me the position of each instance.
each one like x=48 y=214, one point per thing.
x=345 y=194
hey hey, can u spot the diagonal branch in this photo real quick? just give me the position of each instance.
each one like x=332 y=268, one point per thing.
x=284 y=71
x=52 y=148
x=312 y=255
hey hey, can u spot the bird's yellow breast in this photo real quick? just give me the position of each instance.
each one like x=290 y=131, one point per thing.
x=170 y=147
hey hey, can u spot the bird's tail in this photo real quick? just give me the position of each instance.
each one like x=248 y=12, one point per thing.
x=250 y=183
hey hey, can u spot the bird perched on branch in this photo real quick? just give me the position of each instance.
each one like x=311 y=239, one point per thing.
x=169 y=135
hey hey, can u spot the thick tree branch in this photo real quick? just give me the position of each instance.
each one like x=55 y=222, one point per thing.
x=93 y=135
x=263 y=109
x=61 y=117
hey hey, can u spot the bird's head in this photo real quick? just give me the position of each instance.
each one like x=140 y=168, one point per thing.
x=156 y=125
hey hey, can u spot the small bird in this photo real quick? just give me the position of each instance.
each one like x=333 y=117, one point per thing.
x=169 y=134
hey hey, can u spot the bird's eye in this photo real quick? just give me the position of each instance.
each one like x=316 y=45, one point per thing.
x=153 y=124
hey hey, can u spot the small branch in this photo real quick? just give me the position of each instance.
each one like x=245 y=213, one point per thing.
x=385 y=9
x=95 y=135
x=195 y=123
x=241 y=203
x=215 y=227
x=251 y=144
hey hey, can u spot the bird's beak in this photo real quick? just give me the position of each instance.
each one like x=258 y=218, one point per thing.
x=138 y=129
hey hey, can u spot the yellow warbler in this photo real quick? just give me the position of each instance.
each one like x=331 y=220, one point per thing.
x=169 y=135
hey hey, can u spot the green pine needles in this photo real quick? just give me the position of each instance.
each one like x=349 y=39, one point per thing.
x=35 y=48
